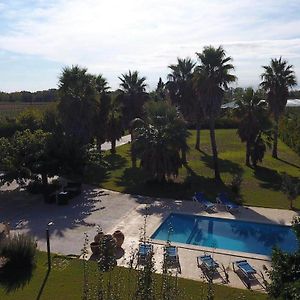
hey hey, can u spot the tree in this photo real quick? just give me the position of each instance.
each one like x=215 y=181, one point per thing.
x=159 y=140
x=277 y=78
x=134 y=95
x=285 y=272
x=27 y=155
x=212 y=77
x=101 y=117
x=114 y=127
x=253 y=120
x=180 y=87
x=79 y=103
x=290 y=187
x=159 y=94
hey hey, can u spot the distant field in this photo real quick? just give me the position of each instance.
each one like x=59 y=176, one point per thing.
x=12 y=109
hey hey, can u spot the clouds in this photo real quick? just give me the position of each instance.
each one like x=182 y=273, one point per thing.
x=113 y=36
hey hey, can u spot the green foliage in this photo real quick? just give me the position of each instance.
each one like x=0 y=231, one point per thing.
x=253 y=122
x=289 y=130
x=20 y=250
x=285 y=272
x=159 y=140
x=290 y=187
x=25 y=155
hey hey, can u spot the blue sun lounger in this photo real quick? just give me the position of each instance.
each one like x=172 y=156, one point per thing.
x=223 y=200
x=172 y=258
x=200 y=198
x=208 y=262
x=144 y=251
x=247 y=271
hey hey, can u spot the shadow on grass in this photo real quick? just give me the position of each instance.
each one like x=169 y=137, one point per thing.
x=225 y=165
x=96 y=174
x=43 y=285
x=269 y=178
x=13 y=278
x=288 y=163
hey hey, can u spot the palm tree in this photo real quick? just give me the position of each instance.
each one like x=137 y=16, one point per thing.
x=180 y=87
x=277 y=78
x=101 y=84
x=212 y=77
x=79 y=103
x=114 y=127
x=251 y=112
x=105 y=99
x=159 y=140
x=134 y=94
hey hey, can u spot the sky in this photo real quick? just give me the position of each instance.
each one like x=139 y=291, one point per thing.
x=39 y=38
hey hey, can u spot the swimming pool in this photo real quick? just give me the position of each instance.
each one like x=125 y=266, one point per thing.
x=251 y=237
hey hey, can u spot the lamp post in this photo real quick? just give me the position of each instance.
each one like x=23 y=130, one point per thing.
x=48 y=244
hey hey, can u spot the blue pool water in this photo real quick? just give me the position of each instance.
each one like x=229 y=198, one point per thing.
x=226 y=234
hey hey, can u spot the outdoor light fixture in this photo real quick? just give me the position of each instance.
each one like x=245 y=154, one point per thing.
x=48 y=244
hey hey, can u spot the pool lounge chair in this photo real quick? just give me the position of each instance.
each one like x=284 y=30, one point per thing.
x=223 y=200
x=208 y=265
x=172 y=258
x=144 y=251
x=247 y=271
x=200 y=198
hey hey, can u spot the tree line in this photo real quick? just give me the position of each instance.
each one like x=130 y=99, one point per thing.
x=88 y=114
x=49 y=95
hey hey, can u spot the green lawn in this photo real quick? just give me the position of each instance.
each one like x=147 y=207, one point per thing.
x=260 y=187
x=65 y=282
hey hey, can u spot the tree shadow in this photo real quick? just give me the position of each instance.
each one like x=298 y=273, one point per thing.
x=225 y=165
x=12 y=278
x=288 y=163
x=269 y=178
x=209 y=186
x=95 y=174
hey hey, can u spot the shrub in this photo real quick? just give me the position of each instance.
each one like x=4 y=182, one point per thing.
x=20 y=250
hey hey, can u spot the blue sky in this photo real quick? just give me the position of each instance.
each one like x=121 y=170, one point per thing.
x=38 y=38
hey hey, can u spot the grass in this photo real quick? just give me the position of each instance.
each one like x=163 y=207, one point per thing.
x=260 y=187
x=65 y=281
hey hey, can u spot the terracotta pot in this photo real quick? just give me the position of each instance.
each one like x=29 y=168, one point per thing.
x=98 y=237
x=119 y=237
x=95 y=247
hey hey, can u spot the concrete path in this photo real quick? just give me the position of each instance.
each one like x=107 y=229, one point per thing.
x=124 y=140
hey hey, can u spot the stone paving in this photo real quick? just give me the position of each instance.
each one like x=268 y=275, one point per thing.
x=115 y=211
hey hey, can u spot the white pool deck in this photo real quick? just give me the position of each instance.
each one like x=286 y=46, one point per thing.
x=116 y=211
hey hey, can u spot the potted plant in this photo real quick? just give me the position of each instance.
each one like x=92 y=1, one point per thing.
x=119 y=237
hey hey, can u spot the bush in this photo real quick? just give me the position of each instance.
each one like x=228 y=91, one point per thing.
x=20 y=250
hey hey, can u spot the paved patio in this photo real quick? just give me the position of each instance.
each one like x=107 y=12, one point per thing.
x=111 y=211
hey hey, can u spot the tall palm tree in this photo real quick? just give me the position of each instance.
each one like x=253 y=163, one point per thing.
x=277 y=78
x=251 y=112
x=79 y=103
x=180 y=86
x=134 y=94
x=212 y=77
x=101 y=118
